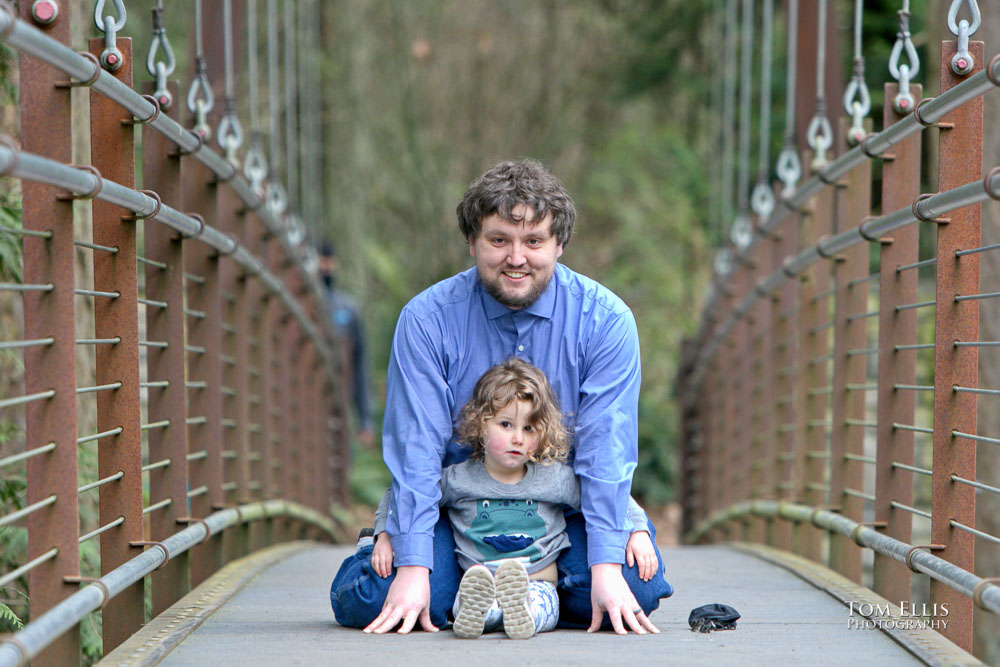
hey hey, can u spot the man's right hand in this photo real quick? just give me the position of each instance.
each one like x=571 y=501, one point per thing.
x=409 y=598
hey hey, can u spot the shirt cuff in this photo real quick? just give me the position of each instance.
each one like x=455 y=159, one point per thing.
x=606 y=546
x=413 y=549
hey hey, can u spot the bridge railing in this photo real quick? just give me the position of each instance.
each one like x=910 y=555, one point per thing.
x=218 y=387
x=829 y=401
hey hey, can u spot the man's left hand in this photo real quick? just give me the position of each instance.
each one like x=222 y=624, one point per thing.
x=609 y=593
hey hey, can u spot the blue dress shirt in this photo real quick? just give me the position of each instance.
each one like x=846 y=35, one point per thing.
x=578 y=332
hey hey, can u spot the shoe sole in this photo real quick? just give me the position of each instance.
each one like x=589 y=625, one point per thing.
x=476 y=594
x=512 y=594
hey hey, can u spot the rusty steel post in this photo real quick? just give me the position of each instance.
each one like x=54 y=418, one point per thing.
x=204 y=316
x=112 y=154
x=235 y=373
x=739 y=461
x=900 y=186
x=813 y=326
x=762 y=426
x=165 y=282
x=787 y=390
x=46 y=132
x=960 y=159
x=853 y=205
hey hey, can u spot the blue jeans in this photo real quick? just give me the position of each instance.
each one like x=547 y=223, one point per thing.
x=357 y=593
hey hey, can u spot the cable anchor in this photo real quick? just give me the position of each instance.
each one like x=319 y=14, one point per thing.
x=820 y=137
x=789 y=169
x=160 y=69
x=904 y=73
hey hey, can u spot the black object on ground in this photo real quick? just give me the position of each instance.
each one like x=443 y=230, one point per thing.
x=713 y=617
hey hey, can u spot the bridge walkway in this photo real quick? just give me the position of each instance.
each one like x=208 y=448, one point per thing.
x=273 y=608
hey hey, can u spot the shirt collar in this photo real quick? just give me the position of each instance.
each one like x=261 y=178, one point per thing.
x=542 y=307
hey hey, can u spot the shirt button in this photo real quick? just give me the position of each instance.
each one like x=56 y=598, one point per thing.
x=520 y=348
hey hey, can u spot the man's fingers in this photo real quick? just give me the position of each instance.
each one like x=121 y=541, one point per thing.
x=616 y=622
x=648 y=624
x=408 y=622
x=595 y=620
x=425 y=621
x=632 y=619
x=384 y=621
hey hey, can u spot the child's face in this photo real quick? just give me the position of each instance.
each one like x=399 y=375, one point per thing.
x=509 y=438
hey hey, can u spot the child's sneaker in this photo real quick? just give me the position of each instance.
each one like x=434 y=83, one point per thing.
x=476 y=594
x=512 y=594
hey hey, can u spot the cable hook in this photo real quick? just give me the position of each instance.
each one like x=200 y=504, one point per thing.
x=277 y=197
x=820 y=138
x=100 y=20
x=953 y=16
x=255 y=164
x=789 y=169
x=741 y=233
x=962 y=62
x=762 y=200
x=111 y=58
x=160 y=41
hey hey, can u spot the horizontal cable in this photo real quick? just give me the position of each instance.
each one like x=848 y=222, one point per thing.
x=197 y=420
x=21 y=287
x=228 y=360
x=911 y=510
x=101 y=482
x=94 y=246
x=229 y=486
x=227 y=391
x=815 y=486
x=858 y=457
x=190 y=277
x=914 y=387
x=917 y=265
x=851 y=318
x=98 y=341
x=816 y=361
x=156 y=384
x=858 y=281
x=977 y=297
x=985 y=248
x=857 y=422
x=91 y=292
x=976 y=390
x=786 y=456
x=227 y=327
x=977 y=438
x=228 y=297
x=254 y=486
x=228 y=453
x=977 y=533
x=861 y=387
x=817 y=423
x=153 y=303
x=194 y=456
x=154 y=343
x=23 y=512
x=10 y=460
x=25 y=232
x=197 y=492
x=820 y=392
x=195 y=349
x=196 y=384
x=98 y=436
x=151 y=262
x=912 y=306
x=823 y=295
x=982 y=343
x=862 y=351
x=17 y=344
x=160 y=424
x=153 y=466
x=978 y=485
x=21 y=400
x=12 y=576
x=858 y=494
x=100 y=387
x=159 y=505
x=919 y=471
x=103 y=529
x=253 y=456
x=917 y=346
x=228 y=423
x=817 y=455
x=915 y=429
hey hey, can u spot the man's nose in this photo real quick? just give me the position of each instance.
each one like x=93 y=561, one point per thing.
x=516 y=256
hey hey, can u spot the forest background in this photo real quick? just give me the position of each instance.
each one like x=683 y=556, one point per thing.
x=620 y=98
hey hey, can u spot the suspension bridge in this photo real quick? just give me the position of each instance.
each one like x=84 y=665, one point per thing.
x=829 y=398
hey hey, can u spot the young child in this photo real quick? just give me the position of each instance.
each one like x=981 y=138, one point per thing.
x=506 y=507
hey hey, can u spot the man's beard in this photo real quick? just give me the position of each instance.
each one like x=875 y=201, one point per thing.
x=514 y=302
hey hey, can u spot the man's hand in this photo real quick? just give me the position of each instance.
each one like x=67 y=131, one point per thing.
x=382 y=555
x=609 y=593
x=409 y=597
x=639 y=550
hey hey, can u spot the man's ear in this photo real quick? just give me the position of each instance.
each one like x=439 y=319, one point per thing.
x=472 y=246
x=559 y=249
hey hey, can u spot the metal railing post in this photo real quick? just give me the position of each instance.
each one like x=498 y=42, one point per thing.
x=165 y=282
x=50 y=314
x=849 y=370
x=960 y=158
x=112 y=153
x=204 y=349
x=896 y=326
x=761 y=425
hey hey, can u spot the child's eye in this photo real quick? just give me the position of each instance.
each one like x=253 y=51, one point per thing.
x=529 y=428
x=505 y=424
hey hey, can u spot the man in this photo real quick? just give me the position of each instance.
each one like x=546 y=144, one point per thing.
x=344 y=314
x=517 y=300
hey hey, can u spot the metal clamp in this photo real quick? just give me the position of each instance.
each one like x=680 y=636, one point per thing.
x=156 y=211
x=201 y=227
x=15 y=151
x=819 y=247
x=980 y=588
x=73 y=579
x=111 y=57
x=153 y=116
x=201 y=142
x=11 y=639
x=937 y=124
x=925 y=547
x=236 y=246
x=864 y=234
x=190 y=519
x=791 y=275
x=993 y=194
x=89 y=195
x=153 y=543
x=89 y=82
x=920 y=216
x=990 y=70
x=962 y=62
x=855 y=534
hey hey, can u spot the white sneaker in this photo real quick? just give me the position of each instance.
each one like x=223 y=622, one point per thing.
x=512 y=594
x=476 y=594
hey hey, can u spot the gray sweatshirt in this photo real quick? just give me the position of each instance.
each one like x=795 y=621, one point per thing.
x=492 y=521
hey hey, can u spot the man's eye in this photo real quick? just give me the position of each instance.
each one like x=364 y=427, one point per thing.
x=534 y=243
x=497 y=241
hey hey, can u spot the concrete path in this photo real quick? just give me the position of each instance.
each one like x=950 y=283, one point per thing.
x=283 y=617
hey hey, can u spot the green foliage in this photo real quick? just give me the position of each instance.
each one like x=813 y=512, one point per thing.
x=10 y=244
x=9 y=621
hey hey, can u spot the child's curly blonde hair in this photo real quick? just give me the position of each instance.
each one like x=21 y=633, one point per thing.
x=515 y=379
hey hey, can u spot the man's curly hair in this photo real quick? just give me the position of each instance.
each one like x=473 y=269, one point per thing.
x=515 y=379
